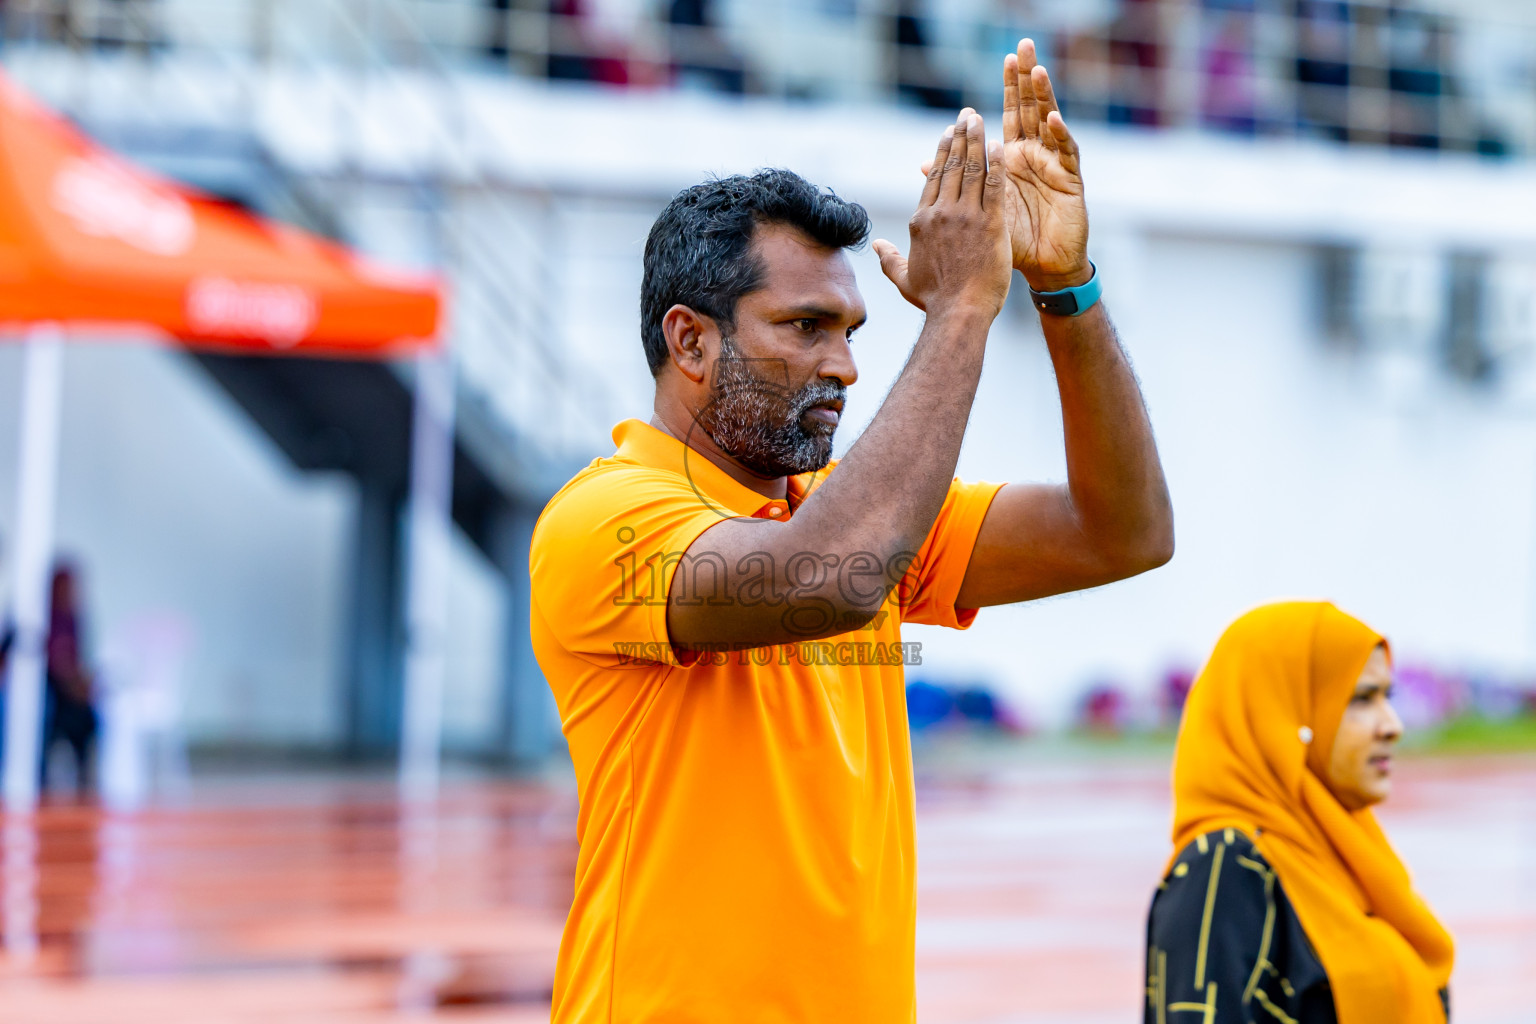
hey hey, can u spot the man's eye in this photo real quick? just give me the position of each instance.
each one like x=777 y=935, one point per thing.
x=805 y=325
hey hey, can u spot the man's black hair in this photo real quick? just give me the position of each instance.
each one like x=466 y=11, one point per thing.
x=699 y=250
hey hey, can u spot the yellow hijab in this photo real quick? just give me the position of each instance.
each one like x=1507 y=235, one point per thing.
x=1243 y=761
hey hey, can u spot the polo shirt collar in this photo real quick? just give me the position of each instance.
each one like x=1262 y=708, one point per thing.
x=642 y=443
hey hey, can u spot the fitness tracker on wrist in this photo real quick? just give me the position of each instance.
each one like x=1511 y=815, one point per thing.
x=1069 y=301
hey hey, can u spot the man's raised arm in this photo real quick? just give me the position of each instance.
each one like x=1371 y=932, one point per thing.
x=1113 y=517
x=837 y=551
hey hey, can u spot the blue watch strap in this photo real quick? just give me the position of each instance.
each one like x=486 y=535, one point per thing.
x=1070 y=301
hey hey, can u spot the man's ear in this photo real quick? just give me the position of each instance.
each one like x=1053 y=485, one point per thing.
x=691 y=338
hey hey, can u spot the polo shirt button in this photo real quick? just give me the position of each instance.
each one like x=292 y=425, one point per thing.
x=774 y=510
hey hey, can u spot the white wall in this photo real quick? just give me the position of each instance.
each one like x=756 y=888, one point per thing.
x=1294 y=473
x=174 y=505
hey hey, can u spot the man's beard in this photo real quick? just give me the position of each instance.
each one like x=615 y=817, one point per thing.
x=758 y=422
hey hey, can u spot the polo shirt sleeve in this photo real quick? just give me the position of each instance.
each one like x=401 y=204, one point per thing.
x=602 y=559
x=931 y=586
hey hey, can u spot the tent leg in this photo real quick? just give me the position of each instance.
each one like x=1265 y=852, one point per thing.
x=42 y=384
x=37 y=472
x=430 y=523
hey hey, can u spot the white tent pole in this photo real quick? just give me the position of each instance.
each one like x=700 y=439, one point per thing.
x=31 y=563
x=426 y=613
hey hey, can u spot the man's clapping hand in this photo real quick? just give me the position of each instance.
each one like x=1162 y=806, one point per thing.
x=959 y=259
x=1047 y=218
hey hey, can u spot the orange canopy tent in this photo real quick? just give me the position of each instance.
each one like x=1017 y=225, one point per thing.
x=92 y=244
x=87 y=238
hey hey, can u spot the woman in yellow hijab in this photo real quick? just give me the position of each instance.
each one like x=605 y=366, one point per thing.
x=1285 y=902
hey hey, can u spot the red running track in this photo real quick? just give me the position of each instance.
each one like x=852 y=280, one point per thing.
x=319 y=902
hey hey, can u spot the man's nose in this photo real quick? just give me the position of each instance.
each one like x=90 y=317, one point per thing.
x=839 y=365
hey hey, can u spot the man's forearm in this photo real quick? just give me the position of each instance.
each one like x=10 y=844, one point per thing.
x=866 y=521
x=1114 y=476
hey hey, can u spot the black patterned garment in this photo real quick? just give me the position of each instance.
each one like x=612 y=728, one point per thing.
x=1224 y=945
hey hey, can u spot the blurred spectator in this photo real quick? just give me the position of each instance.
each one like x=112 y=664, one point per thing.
x=1424 y=698
x=576 y=51
x=917 y=80
x=1172 y=695
x=1495 y=698
x=1082 y=77
x=965 y=706
x=927 y=704
x=1136 y=61
x=977 y=705
x=69 y=711
x=700 y=54
x=1115 y=73
x=1323 y=44
x=1416 y=49
x=1105 y=710
x=1228 y=98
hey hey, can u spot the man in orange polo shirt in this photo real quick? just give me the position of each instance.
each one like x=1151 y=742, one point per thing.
x=719 y=611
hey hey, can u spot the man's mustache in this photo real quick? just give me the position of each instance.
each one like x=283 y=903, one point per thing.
x=819 y=393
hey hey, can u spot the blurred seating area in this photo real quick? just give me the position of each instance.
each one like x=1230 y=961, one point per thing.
x=1427 y=74
x=1442 y=710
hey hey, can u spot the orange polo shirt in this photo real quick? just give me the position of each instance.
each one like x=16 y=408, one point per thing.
x=746 y=820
